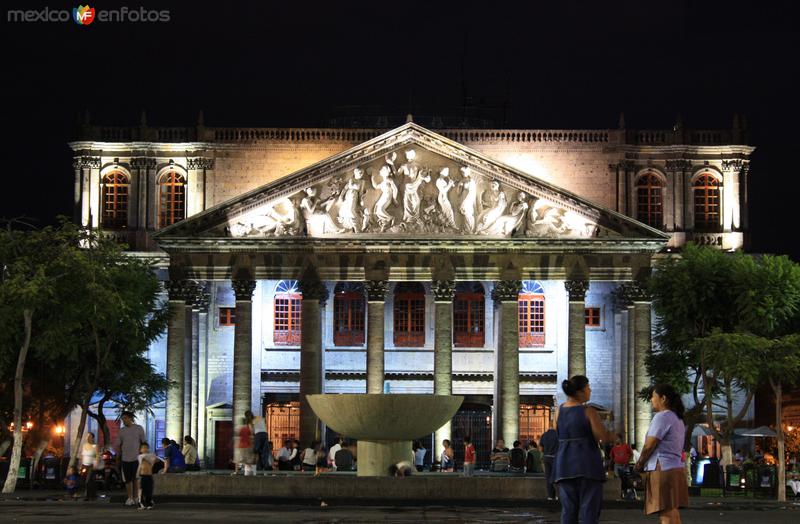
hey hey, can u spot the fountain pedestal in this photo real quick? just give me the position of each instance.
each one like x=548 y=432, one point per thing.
x=384 y=425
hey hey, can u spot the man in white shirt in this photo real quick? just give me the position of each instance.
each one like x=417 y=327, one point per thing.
x=332 y=453
x=129 y=438
x=285 y=456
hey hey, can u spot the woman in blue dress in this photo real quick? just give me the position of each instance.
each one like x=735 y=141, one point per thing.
x=578 y=466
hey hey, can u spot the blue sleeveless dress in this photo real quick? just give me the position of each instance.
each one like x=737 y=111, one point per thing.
x=578 y=454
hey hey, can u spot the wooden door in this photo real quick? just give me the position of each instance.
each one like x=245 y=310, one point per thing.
x=223 y=444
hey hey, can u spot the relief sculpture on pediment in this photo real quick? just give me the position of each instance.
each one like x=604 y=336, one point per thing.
x=380 y=197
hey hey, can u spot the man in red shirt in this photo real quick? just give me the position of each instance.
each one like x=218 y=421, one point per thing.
x=621 y=455
x=469 y=457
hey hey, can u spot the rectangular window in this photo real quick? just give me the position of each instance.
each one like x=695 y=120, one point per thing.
x=531 y=321
x=468 y=320
x=348 y=319
x=592 y=317
x=409 y=320
x=287 y=319
x=227 y=316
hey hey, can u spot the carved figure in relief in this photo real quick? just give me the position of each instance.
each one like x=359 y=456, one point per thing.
x=469 y=190
x=416 y=176
x=444 y=184
x=494 y=202
x=271 y=223
x=316 y=213
x=388 y=197
x=351 y=202
x=506 y=225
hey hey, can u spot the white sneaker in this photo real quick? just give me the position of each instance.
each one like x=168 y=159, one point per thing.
x=130 y=502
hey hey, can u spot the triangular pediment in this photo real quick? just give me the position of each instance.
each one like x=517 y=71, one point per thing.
x=409 y=182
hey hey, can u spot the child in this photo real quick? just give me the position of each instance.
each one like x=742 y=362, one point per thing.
x=71 y=482
x=145 y=473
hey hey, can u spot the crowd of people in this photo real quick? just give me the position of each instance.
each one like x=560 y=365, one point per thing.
x=573 y=456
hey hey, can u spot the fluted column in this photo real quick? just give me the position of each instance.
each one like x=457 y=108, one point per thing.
x=314 y=296
x=506 y=296
x=443 y=294
x=242 y=356
x=176 y=347
x=202 y=370
x=199 y=304
x=622 y=305
x=576 y=342
x=187 y=366
x=642 y=345
x=376 y=301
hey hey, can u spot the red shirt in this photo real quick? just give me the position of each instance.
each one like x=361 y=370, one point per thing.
x=621 y=454
x=469 y=454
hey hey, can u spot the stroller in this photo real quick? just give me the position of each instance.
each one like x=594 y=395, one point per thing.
x=631 y=481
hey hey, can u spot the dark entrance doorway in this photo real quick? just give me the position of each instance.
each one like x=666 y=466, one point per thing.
x=474 y=420
x=223 y=444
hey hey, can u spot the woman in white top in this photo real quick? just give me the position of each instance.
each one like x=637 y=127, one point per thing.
x=88 y=462
x=310 y=457
x=190 y=454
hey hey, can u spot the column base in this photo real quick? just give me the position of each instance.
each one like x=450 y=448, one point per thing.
x=375 y=456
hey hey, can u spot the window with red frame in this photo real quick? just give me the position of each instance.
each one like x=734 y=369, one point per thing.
x=649 y=201
x=349 y=309
x=287 y=314
x=409 y=314
x=592 y=315
x=171 y=198
x=531 y=315
x=469 y=306
x=706 y=203
x=116 y=188
x=227 y=316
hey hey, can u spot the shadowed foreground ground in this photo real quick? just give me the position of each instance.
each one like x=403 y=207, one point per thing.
x=69 y=511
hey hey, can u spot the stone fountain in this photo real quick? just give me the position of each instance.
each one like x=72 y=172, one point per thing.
x=384 y=425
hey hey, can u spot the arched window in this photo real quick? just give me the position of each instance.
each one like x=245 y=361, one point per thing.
x=287 y=314
x=348 y=314
x=649 y=200
x=116 y=188
x=706 y=202
x=409 y=314
x=171 y=198
x=531 y=315
x=468 y=315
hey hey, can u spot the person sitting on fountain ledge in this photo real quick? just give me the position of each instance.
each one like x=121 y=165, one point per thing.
x=401 y=469
x=344 y=458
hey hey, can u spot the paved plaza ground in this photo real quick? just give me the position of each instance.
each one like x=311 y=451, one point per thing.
x=55 y=511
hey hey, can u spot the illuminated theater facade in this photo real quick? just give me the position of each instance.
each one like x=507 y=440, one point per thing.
x=485 y=263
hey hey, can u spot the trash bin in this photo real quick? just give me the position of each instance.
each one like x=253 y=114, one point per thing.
x=712 y=475
x=51 y=472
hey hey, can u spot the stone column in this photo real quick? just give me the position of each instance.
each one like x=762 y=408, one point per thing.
x=242 y=356
x=622 y=304
x=202 y=369
x=506 y=296
x=642 y=345
x=176 y=347
x=197 y=306
x=314 y=296
x=576 y=342
x=631 y=413
x=443 y=294
x=187 y=367
x=376 y=301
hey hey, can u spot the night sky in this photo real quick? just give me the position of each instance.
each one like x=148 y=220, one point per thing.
x=535 y=65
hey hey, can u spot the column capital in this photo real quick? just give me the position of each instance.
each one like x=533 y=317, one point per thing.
x=621 y=298
x=576 y=289
x=313 y=289
x=506 y=290
x=376 y=290
x=201 y=297
x=243 y=288
x=444 y=290
x=637 y=292
x=181 y=289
